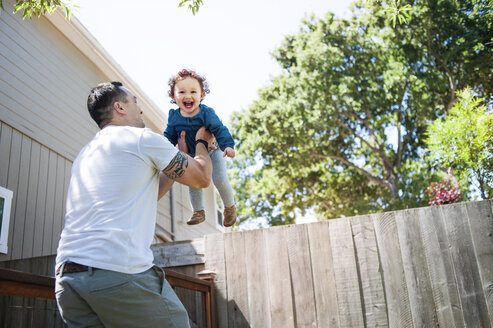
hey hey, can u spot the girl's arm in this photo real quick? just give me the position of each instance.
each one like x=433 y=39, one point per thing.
x=170 y=132
x=223 y=136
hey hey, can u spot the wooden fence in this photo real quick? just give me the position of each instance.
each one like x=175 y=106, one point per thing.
x=426 y=267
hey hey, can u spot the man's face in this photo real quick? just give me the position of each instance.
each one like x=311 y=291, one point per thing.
x=132 y=109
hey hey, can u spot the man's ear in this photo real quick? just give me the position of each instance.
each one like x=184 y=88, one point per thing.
x=117 y=106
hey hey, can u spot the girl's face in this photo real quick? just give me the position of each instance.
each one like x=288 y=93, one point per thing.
x=187 y=95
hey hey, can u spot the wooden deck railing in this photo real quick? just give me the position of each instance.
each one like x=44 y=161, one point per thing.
x=17 y=283
x=22 y=284
x=205 y=287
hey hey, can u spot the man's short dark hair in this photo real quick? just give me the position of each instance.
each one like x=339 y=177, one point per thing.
x=101 y=99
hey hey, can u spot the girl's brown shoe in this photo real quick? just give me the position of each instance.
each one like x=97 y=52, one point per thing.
x=229 y=216
x=197 y=217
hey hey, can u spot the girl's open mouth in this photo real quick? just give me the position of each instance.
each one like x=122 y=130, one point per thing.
x=188 y=104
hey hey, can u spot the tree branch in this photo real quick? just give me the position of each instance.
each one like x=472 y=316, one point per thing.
x=359 y=169
x=398 y=157
x=385 y=160
x=450 y=75
x=366 y=124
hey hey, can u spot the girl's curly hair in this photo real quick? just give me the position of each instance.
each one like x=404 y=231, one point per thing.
x=184 y=73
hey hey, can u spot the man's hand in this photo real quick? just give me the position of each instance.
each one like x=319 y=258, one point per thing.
x=230 y=152
x=202 y=133
x=194 y=172
x=182 y=144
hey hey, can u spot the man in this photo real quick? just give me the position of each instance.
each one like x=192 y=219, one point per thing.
x=104 y=270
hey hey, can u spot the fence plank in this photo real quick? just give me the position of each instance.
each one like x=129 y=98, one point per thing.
x=415 y=268
x=346 y=274
x=280 y=295
x=465 y=269
x=301 y=276
x=374 y=305
x=398 y=307
x=481 y=223
x=234 y=249
x=323 y=275
x=180 y=253
x=215 y=261
x=444 y=288
x=258 y=282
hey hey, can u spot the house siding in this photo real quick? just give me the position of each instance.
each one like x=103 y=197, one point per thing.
x=39 y=178
x=44 y=82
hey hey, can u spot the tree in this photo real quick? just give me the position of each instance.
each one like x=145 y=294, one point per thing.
x=193 y=5
x=42 y=7
x=463 y=142
x=451 y=41
x=37 y=8
x=395 y=11
x=341 y=130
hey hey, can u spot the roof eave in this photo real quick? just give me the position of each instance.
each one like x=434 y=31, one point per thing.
x=90 y=47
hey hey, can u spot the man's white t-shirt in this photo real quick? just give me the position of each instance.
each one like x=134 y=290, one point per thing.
x=112 y=200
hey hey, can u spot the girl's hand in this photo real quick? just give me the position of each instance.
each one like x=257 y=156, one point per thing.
x=230 y=152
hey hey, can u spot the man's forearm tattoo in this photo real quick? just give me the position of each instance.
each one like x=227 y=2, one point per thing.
x=176 y=168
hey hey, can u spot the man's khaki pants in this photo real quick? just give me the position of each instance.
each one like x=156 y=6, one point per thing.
x=102 y=298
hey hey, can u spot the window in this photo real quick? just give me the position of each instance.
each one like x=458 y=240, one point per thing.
x=219 y=208
x=5 y=202
x=219 y=217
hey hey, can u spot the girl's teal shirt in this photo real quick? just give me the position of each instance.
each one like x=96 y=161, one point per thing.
x=205 y=117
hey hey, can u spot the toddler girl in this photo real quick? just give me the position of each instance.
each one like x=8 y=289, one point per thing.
x=187 y=89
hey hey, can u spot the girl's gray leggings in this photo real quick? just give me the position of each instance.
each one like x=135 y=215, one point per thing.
x=221 y=181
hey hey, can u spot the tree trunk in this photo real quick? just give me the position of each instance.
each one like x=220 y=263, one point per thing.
x=392 y=185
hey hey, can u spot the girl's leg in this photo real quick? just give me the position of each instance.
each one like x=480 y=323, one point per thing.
x=196 y=198
x=220 y=178
x=197 y=202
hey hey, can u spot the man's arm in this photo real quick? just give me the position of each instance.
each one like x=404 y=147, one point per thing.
x=194 y=172
x=165 y=184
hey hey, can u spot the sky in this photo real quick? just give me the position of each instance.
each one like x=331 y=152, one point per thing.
x=227 y=41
